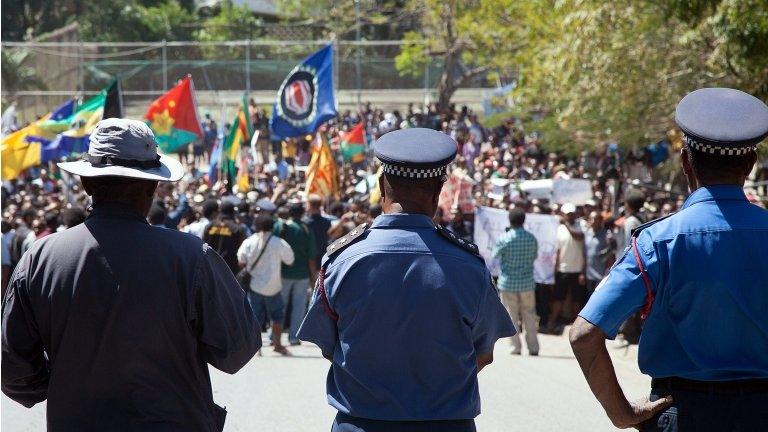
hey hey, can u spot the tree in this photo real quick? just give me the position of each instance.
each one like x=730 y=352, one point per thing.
x=471 y=39
x=129 y=20
x=16 y=75
x=615 y=70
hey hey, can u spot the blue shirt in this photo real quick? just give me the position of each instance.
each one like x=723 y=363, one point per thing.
x=516 y=251
x=709 y=271
x=415 y=310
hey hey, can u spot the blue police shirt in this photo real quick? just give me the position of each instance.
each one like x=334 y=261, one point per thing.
x=414 y=311
x=709 y=271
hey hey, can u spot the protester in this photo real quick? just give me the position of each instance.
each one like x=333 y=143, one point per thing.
x=113 y=321
x=318 y=223
x=570 y=267
x=209 y=210
x=517 y=250
x=262 y=255
x=225 y=235
x=601 y=251
x=296 y=276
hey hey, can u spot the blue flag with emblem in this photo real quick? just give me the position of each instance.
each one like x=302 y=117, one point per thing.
x=306 y=97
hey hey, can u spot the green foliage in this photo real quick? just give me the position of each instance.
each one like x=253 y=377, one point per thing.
x=16 y=76
x=231 y=23
x=129 y=20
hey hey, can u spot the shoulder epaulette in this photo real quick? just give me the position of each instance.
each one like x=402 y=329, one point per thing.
x=347 y=240
x=637 y=230
x=468 y=246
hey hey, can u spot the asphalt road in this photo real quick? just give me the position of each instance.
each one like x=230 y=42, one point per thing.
x=519 y=393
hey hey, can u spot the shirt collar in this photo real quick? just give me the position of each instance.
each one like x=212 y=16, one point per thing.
x=114 y=210
x=715 y=193
x=402 y=220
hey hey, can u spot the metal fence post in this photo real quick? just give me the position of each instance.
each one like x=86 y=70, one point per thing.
x=248 y=66
x=165 y=65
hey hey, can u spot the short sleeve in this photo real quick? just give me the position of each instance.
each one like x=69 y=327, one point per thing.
x=318 y=327
x=492 y=322
x=622 y=292
x=244 y=251
x=227 y=329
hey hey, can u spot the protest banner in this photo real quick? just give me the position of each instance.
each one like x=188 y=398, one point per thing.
x=574 y=191
x=457 y=193
x=537 y=189
x=491 y=224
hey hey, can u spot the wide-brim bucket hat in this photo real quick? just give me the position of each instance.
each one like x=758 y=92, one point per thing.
x=124 y=148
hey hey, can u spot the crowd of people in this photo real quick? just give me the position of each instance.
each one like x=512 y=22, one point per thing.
x=278 y=233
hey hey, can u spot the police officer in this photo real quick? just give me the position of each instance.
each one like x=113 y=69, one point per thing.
x=405 y=311
x=114 y=321
x=700 y=278
x=225 y=235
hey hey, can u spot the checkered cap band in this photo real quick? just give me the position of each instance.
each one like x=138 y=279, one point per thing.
x=415 y=172
x=716 y=150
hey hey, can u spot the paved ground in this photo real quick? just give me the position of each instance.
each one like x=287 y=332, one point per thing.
x=545 y=393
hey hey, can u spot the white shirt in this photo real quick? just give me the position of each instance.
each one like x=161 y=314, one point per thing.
x=571 y=251
x=197 y=228
x=265 y=275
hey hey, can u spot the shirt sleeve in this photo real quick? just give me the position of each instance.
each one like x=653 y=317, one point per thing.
x=492 y=322
x=226 y=327
x=25 y=370
x=244 y=251
x=318 y=327
x=623 y=291
x=286 y=253
x=499 y=247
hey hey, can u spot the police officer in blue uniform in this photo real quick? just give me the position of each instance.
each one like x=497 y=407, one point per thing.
x=701 y=279
x=405 y=311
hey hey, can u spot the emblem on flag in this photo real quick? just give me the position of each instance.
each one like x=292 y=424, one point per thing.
x=305 y=99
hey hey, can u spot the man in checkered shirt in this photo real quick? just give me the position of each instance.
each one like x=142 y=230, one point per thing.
x=516 y=251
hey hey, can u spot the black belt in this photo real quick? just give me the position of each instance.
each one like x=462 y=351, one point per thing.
x=738 y=387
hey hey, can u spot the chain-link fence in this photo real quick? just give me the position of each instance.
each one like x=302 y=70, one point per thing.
x=221 y=71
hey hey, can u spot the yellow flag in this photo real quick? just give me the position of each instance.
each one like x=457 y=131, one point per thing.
x=18 y=154
x=322 y=174
x=376 y=191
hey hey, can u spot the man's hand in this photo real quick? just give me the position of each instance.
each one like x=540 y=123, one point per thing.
x=582 y=279
x=640 y=411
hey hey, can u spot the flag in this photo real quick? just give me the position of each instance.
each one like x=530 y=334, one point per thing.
x=113 y=101
x=243 y=184
x=173 y=117
x=322 y=174
x=74 y=123
x=18 y=154
x=306 y=97
x=213 y=169
x=231 y=148
x=246 y=127
x=353 y=144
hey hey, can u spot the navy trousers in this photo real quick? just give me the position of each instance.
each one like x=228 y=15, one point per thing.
x=703 y=412
x=347 y=423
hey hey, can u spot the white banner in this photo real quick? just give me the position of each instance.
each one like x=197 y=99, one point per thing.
x=491 y=223
x=574 y=191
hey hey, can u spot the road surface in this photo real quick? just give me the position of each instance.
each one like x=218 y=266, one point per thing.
x=272 y=393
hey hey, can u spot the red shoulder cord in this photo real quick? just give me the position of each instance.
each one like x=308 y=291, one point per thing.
x=324 y=296
x=648 y=291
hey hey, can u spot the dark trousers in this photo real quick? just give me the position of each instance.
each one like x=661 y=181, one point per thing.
x=347 y=423
x=706 y=412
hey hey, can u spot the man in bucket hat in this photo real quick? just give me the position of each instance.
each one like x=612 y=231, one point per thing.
x=114 y=321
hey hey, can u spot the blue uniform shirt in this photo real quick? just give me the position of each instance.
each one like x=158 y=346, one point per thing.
x=414 y=312
x=709 y=270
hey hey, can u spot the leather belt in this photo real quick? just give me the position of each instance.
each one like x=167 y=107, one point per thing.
x=737 y=387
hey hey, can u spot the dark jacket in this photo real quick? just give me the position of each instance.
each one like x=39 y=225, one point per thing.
x=114 y=322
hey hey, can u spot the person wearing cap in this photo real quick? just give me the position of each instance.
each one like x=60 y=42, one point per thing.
x=570 y=269
x=406 y=311
x=700 y=279
x=113 y=321
x=225 y=235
